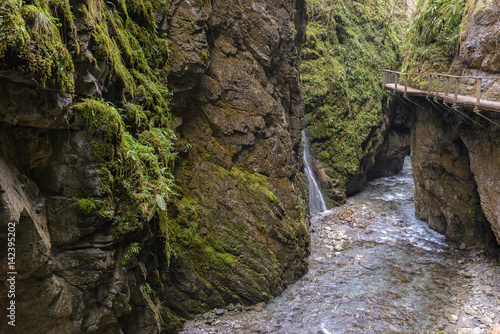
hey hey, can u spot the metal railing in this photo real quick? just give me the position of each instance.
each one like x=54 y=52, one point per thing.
x=439 y=85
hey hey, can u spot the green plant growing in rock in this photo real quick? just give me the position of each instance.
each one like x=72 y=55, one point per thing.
x=31 y=40
x=347 y=45
x=434 y=35
x=86 y=206
x=132 y=251
x=154 y=305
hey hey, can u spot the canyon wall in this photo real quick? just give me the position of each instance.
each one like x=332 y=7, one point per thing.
x=150 y=160
x=347 y=45
x=454 y=164
x=454 y=152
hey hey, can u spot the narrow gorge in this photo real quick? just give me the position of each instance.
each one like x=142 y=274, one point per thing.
x=163 y=166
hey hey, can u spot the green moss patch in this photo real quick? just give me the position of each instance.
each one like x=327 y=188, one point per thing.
x=433 y=37
x=348 y=43
x=31 y=41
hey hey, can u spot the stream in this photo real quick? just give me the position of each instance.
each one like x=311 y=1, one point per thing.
x=376 y=268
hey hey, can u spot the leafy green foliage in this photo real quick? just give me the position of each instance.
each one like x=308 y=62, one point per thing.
x=347 y=45
x=31 y=41
x=433 y=36
x=132 y=251
x=138 y=169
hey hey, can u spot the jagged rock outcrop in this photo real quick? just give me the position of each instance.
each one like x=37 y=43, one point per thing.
x=242 y=117
x=484 y=147
x=101 y=246
x=454 y=190
x=446 y=192
x=480 y=56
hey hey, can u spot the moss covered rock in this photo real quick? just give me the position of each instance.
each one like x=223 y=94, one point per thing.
x=137 y=213
x=347 y=45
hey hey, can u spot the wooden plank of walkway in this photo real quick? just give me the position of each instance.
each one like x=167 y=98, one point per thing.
x=461 y=99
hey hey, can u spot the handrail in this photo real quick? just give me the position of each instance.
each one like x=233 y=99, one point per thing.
x=389 y=76
x=443 y=75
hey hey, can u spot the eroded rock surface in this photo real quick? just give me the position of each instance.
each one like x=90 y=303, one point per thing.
x=395 y=131
x=454 y=152
x=238 y=221
x=450 y=155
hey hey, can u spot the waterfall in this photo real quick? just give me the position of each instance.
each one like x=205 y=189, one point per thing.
x=316 y=201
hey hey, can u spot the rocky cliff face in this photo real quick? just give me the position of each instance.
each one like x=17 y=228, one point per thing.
x=113 y=233
x=394 y=143
x=479 y=55
x=453 y=162
x=447 y=186
x=454 y=159
x=242 y=117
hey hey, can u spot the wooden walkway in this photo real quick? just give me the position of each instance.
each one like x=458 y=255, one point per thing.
x=439 y=89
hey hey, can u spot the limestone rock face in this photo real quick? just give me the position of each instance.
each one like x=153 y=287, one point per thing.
x=242 y=118
x=455 y=160
x=445 y=189
x=485 y=165
x=238 y=222
x=480 y=49
x=68 y=279
x=461 y=198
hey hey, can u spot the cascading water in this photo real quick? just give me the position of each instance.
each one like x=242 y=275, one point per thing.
x=316 y=201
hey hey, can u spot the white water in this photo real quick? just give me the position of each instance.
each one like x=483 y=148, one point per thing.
x=316 y=201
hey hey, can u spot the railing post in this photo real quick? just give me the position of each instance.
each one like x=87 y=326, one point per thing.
x=437 y=88
x=479 y=82
x=456 y=90
x=447 y=87
x=406 y=84
x=396 y=82
x=429 y=88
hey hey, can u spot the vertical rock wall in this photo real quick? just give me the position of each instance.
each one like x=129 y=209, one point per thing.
x=454 y=153
x=446 y=193
x=394 y=144
x=237 y=226
x=238 y=106
x=455 y=182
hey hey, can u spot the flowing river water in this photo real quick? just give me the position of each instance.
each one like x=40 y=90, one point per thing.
x=376 y=268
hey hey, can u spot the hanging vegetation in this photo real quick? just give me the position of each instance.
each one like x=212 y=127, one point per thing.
x=433 y=37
